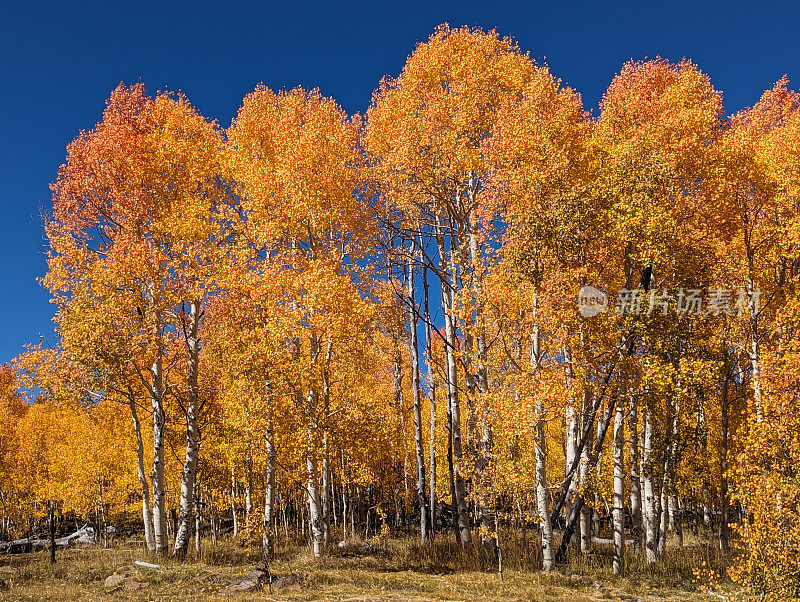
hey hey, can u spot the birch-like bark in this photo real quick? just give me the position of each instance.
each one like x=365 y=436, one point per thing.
x=755 y=350
x=571 y=444
x=663 y=515
x=546 y=527
x=462 y=515
x=147 y=519
x=315 y=517
x=636 y=486
x=268 y=533
x=417 y=398
x=189 y=474
x=159 y=513
x=326 y=471
x=345 y=494
x=723 y=454
x=649 y=503
x=480 y=381
x=540 y=451
x=325 y=497
x=314 y=504
x=669 y=497
x=432 y=401
x=583 y=474
x=234 y=510
x=619 y=484
x=248 y=490
x=675 y=512
x=51 y=505
x=197 y=526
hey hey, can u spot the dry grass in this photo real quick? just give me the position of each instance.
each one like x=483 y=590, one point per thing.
x=399 y=569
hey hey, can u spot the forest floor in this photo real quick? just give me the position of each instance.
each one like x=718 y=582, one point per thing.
x=394 y=569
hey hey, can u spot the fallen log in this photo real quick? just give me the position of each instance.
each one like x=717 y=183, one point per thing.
x=146 y=565
x=84 y=535
x=260 y=578
x=254 y=580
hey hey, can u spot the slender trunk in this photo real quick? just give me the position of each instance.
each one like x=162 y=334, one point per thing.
x=723 y=457
x=675 y=513
x=422 y=498
x=326 y=470
x=571 y=443
x=755 y=354
x=52 y=522
x=450 y=472
x=401 y=472
x=452 y=393
x=572 y=520
x=212 y=511
x=248 y=490
x=583 y=475
x=432 y=401
x=102 y=525
x=636 y=488
x=159 y=513
x=548 y=559
x=325 y=497
x=650 y=514
x=314 y=504
x=315 y=517
x=146 y=518
x=663 y=513
x=234 y=495
x=670 y=465
x=183 y=528
x=483 y=456
x=345 y=488
x=197 y=526
x=268 y=534
x=540 y=451
x=619 y=484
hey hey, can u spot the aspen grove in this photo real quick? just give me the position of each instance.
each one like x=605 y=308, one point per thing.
x=323 y=327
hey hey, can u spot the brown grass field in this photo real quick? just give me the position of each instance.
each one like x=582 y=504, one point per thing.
x=393 y=569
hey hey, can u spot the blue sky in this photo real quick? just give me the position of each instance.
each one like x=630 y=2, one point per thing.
x=61 y=59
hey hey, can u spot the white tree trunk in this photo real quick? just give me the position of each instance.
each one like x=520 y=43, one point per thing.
x=147 y=518
x=431 y=400
x=619 y=487
x=636 y=488
x=452 y=393
x=417 y=398
x=198 y=524
x=571 y=443
x=268 y=534
x=723 y=455
x=234 y=495
x=583 y=474
x=540 y=452
x=314 y=504
x=248 y=489
x=650 y=510
x=189 y=474
x=663 y=515
x=546 y=527
x=159 y=514
x=755 y=356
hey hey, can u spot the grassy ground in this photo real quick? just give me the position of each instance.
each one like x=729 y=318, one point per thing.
x=398 y=569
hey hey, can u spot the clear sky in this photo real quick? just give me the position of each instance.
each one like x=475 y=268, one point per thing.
x=60 y=60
